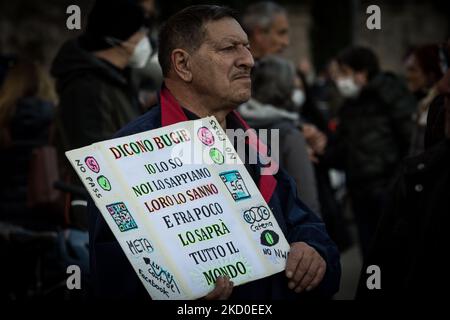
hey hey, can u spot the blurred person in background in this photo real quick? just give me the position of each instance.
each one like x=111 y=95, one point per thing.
x=275 y=104
x=309 y=109
x=6 y=62
x=267 y=26
x=92 y=71
x=206 y=62
x=326 y=94
x=97 y=97
x=422 y=73
x=414 y=227
x=27 y=108
x=148 y=79
x=317 y=131
x=373 y=134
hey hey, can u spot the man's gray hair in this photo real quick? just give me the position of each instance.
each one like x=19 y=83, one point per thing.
x=273 y=82
x=260 y=15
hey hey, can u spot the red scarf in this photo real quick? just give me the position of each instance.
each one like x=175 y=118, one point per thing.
x=171 y=113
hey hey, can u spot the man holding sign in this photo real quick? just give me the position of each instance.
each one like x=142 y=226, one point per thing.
x=205 y=58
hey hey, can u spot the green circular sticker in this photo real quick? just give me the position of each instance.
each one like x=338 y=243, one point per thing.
x=216 y=156
x=269 y=239
x=103 y=182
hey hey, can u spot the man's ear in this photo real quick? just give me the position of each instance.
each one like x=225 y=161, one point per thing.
x=181 y=64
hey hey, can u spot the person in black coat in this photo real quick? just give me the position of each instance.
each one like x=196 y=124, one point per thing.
x=215 y=82
x=27 y=107
x=93 y=81
x=411 y=239
x=373 y=134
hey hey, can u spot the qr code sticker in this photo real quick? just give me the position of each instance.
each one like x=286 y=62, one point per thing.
x=122 y=217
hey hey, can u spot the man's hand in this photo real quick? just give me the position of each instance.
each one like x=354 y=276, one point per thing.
x=305 y=267
x=223 y=289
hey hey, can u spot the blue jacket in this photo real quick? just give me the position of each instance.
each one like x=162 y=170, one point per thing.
x=113 y=276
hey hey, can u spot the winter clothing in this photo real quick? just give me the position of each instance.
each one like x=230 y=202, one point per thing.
x=412 y=234
x=96 y=98
x=373 y=137
x=421 y=116
x=29 y=128
x=373 y=134
x=295 y=219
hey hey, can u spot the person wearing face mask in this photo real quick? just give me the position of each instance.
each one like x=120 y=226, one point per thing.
x=415 y=224
x=373 y=134
x=148 y=79
x=316 y=131
x=92 y=75
x=203 y=52
x=275 y=104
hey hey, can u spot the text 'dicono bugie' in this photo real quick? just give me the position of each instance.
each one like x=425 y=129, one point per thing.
x=122 y=217
x=235 y=185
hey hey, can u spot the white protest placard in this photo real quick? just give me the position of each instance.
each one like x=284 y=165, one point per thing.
x=183 y=208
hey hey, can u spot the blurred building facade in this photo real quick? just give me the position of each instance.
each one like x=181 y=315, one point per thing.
x=319 y=28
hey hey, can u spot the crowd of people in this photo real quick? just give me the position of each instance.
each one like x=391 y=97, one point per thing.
x=388 y=135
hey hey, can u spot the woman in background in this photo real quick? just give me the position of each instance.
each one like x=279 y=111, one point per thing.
x=27 y=106
x=423 y=71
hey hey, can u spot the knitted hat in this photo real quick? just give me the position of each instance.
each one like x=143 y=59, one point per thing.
x=116 y=19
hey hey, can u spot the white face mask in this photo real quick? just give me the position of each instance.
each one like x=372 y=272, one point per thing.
x=347 y=87
x=298 y=98
x=141 y=53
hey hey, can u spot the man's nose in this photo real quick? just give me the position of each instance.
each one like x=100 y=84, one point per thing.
x=246 y=59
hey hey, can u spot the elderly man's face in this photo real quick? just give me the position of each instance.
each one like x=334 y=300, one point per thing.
x=221 y=66
x=276 y=39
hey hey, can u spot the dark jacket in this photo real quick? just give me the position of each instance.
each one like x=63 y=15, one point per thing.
x=29 y=128
x=374 y=134
x=113 y=276
x=412 y=236
x=96 y=98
